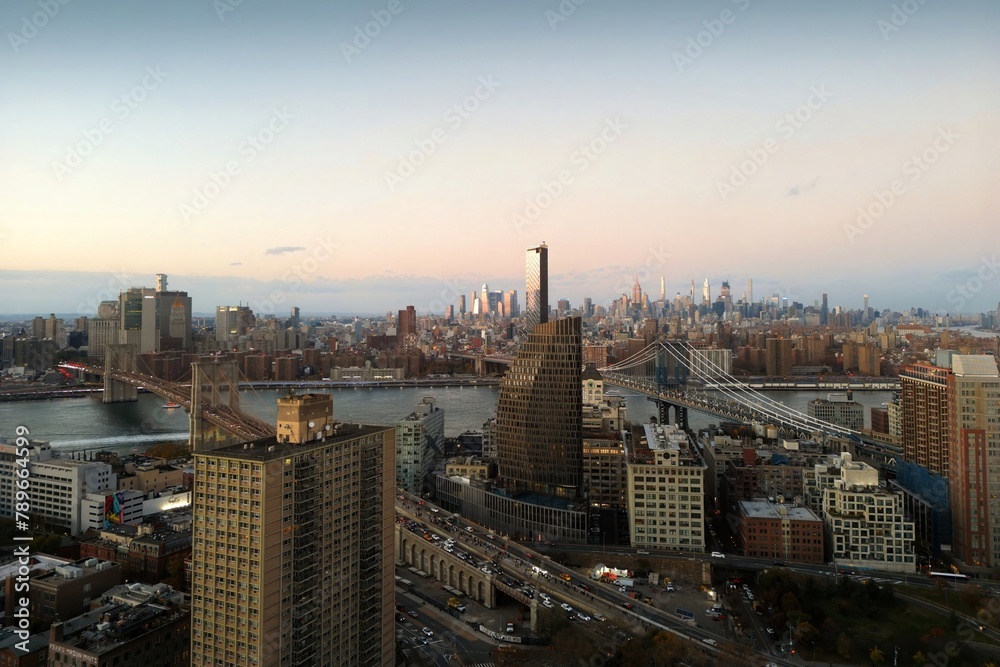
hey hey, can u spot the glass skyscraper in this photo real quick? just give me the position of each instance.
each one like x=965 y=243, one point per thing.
x=538 y=433
x=536 y=279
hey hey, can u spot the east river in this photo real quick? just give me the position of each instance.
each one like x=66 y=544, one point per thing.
x=73 y=424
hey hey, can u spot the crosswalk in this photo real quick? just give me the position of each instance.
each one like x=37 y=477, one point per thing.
x=482 y=664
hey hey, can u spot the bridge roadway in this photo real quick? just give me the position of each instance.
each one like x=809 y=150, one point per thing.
x=700 y=402
x=244 y=426
x=554 y=586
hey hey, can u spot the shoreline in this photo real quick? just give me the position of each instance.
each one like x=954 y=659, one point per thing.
x=52 y=393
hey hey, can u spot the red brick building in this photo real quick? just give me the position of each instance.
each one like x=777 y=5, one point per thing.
x=788 y=532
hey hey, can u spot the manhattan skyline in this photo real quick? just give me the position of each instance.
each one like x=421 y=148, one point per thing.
x=243 y=149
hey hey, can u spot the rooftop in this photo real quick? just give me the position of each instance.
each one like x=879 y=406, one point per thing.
x=763 y=509
x=269 y=449
x=113 y=625
x=975 y=365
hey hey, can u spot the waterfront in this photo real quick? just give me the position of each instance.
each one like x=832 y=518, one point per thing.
x=73 y=424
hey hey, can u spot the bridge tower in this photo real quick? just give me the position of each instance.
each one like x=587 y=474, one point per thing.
x=671 y=372
x=213 y=383
x=119 y=358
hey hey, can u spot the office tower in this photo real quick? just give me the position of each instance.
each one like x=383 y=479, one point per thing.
x=484 y=300
x=538 y=430
x=663 y=289
x=450 y=313
x=536 y=283
x=139 y=324
x=510 y=307
x=293 y=318
x=102 y=330
x=636 y=291
x=231 y=322
x=38 y=328
x=588 y=306
x=824 y=313
x=974 y=459
x=750 y=290
x=419 y=439
x=706 y=293
x=866 y=305
x=924 y=390
x=406 y=325
x=692 y=291
x=778 y=352
x=292 y=560
x=461 y=304
x=562 y=307
x=161 y=282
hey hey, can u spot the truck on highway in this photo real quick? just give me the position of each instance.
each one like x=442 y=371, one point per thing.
x=453 y=603
x=622 y=581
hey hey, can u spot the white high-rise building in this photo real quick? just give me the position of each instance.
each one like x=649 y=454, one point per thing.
x=58 y=486
x=419 y=438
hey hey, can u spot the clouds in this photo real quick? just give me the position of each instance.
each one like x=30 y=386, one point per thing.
x=796 y=190
x=281 y=250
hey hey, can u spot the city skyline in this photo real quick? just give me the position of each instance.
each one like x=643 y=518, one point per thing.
x=633 y=139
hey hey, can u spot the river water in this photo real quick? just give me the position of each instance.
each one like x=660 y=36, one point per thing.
x=73 y=424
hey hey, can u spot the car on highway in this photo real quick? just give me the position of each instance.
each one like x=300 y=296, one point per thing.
x=427 y=632
x=565 y=577
x=600 y=617
x=468 y=529
x=412 y=613
x=628 y=605
x=718 y=554
x=582 y=616
x=566 y=607
x=779 y=562
x=670 y=587
x=710 y=642
x=547 y=603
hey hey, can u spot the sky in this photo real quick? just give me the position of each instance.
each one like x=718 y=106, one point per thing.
x=365 y=156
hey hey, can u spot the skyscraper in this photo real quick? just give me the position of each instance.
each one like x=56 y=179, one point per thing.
x=419 y=439
x=663 y=289
x=536 y=283
x=636 y=291
x=293 y=538
x=750 y=290
x=406 y=324
x=706 y=293
x=538 y=432
x=824 y=313
x=974 y=462
x=924 y=390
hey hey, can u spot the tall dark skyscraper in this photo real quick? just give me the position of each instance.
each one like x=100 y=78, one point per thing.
x=824 y=314
x=536 y=283
x=538 y=433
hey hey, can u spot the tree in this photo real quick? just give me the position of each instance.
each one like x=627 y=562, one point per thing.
x=877 y=656
x=806 y=633
x=844 y=646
